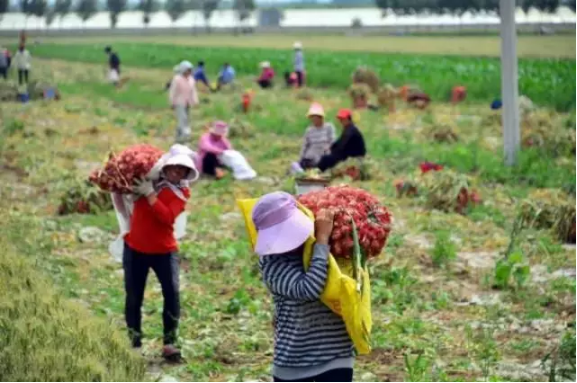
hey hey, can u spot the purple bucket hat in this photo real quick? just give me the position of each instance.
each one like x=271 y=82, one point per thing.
x=281 y=226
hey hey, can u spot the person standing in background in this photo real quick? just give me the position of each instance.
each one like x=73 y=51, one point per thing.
x=183 y=96
x=3 y=63
x=22 y=63
x=299 y=63
x=114 y=65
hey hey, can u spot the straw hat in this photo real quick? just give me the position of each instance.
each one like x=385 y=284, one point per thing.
x=316 y=109
x=219 y=128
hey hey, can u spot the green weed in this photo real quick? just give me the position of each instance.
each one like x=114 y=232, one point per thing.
x=417 y=368
x=444 y=250
x=511 y=269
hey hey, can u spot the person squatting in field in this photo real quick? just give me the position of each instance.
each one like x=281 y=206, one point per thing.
x=183 y=96
x=350 y=144
x=226 y=76
x=150 y=244
x=266 y=75
x=311 y=341
x=200 y=75
x=318 y=139
x=210 y=146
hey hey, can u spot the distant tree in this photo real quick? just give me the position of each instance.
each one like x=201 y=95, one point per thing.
x=3 y=7
x=32 y=8
x=86 y=9
x=208 y=7
x=61 y=8
x=175 y=9
x=547 y=6
x=115 y=8
x=26 y=8
x=526 y=5
x=571 y=5
x=356 y=23
x=243 y=8
x=50 y=16
x=147 y=7
x=38 y=7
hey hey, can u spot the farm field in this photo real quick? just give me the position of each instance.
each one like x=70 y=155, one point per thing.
x=538 y=78
x=557 y=46
x=456 y=297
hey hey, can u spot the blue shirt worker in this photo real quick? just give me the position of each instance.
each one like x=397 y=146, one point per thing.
x=200 y=75
x=226 y=75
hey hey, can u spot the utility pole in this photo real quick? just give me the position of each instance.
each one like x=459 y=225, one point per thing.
x=509 y=82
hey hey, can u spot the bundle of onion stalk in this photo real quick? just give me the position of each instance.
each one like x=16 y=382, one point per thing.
x=361 y=223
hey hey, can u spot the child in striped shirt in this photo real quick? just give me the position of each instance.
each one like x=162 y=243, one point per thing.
x=318 y=138
x=311 y=343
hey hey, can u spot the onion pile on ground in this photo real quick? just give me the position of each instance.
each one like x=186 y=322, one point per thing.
x=121 y=171
x=372 y=220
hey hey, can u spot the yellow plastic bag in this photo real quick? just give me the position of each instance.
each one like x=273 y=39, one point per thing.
x=340 y=293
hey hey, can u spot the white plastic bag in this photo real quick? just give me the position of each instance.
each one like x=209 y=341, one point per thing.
x=234 y=160
x=113 y=76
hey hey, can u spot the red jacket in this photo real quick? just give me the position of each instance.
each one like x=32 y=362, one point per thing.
x=152 y=227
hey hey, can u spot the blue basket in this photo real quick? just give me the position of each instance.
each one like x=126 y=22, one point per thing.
x=24 y=97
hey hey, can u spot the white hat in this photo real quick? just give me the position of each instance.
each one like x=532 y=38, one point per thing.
x=185 y=65
x=183 y=160
x=298 y=45
x=265 y=64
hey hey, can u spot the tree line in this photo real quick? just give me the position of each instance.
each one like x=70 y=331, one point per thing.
x=460 y=7
x=85 y=9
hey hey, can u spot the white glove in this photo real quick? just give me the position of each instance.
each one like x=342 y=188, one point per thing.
x=143 y=187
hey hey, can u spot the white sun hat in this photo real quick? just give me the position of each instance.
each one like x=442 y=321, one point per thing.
x=185 y=160
x=298 y=45
x=185 y=65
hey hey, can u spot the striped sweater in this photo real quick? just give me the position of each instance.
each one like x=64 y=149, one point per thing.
x=307 y=333
x=317 y=142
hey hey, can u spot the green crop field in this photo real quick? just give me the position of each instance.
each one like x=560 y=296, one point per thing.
x=539 y=79
x=456 y=297
x=486 y=44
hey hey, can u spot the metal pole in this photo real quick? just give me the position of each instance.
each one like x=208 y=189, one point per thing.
x=509 y=82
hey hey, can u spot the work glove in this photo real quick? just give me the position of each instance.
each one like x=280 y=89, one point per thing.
x=143 y=187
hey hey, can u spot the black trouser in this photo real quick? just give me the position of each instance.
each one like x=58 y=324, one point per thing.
x=336 y=375
x=327 y=161
x=265 y=84
x=4 y=72
x=300 y=78
x=136 y=267
x=22 y=75
x=307 y=163
x=209 y=164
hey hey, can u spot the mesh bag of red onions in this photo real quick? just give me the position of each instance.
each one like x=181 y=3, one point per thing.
x=372 y=220
x=121 y=171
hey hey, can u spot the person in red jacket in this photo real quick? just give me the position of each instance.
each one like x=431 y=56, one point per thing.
x=150 y=244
